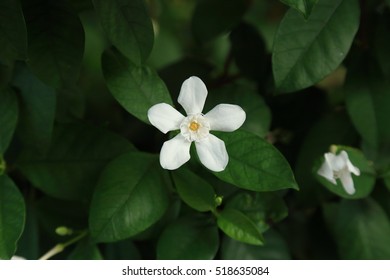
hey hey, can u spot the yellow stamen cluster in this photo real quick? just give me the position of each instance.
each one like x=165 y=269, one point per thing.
x=194 y=126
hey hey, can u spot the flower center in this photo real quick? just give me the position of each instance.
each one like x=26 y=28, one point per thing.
x=195 y=127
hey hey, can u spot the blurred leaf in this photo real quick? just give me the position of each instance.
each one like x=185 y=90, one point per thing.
x=361 y=229
x=128 y=27
x=212 y=18
x=381 y=44
x=129 y=198
x=70 y=104
x=8 y=117
x=76 y=157
x=122 y=250
x=194 y=190
x=188 y=239
x=85 y=250
x=29 y=243
x=254 y=164
x=13 y=34
x=275 y=248
x=249 y=52
x=135 y=88
x=55 y=42
x=37 y=110
x=364 y=183
x=258 y=114
x=262 y=208
x=303 y=6
x=12 y=217
x=240 y=227
x=305 y=52
x=368 y=101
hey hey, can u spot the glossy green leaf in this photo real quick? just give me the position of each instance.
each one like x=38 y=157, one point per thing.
x=194 y=190
x=303 y=6
x=85 y=250
x=129 y=197
x=8 y=118
x=12 y=217
x=305 y=52
x=135 y=88
x=212 y=18
x=361 y=229
x=254 y=164
x=258 y=115
x=55 y=42
x=36 y=111
x=262 y=208
x=275 y=248
x=75 y=158
x=239 y=226
x=189 y=239
x=368 y=102
x=364 y=183
x=13 y=34
x=128 y=27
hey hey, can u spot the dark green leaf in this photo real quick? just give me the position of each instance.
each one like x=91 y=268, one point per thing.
x=29 y=243
x=275 y=248
x=305 y=52
x=135 y=88
x=85 y=250
x=364 y=183
x=76 y=157
x=12 y=217
x=215 y=17
x=13 y=34
x=122 y=250
x=361 y=229
x=303 y=6
x=240 y=227
x=128 y=27
x=8 y=117
x=129 y=198
x=37 y=110
x=55 y=42
x=194 y=190
x=262 y=208
x=189 y=239
x=254 y=164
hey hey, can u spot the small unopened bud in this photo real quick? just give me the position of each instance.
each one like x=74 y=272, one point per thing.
x=218 y=200
x=62 y=231
x=333 y=149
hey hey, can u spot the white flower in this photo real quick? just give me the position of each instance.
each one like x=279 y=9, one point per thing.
x=339 y=167
x=195 y=127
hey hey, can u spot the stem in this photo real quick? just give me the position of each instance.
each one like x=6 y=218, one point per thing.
x=61 y=246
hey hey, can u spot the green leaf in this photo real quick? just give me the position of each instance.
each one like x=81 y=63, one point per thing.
x=129 y=197
x=85 y=250
x=189 y=239
x=77 y=155
x=254 y=164
x=135 y=88
x=303 y=6
x=12 y=217
x=305 y=52
x=262 y=208
x=258 y=115
x=368 y=102
x=128 y=27
x=212 y=18
x=360 y=228
x=8 y=118
x=194 y=190
x=37 y=110
x=275 y=248
x=55 y=42
x=364 y=183
x=13 y=34
x=240 y=227
x=122 y=250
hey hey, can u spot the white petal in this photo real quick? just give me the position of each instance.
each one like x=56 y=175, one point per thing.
x=175 y=152
x=226 y=117
x=347 y=182
x=192 y=95
x=353 y=168
x=212 y=153
x=326 y=171
x=165 y=117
